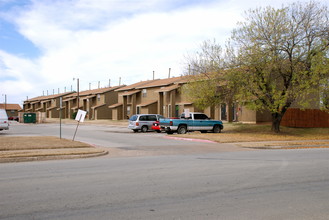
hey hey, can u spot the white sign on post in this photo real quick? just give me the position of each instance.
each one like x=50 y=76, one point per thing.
x=80 y=118
x=187 y=113
x=80 y=115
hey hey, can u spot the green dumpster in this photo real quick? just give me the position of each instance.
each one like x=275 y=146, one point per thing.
x=29 y=117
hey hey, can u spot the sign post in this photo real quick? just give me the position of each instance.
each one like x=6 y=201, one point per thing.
x=60 y=117
x=80 y=117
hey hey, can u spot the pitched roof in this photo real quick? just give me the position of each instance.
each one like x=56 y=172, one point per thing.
x=66 y=99
x=162 y=82
x=99 y=91
x=93 y=91
x=97 y=106
x=135 y=85
x=11 y=106
x=148 y=103
x=168 y=88
x=126 y=93
x=88 y=97
x=41 y=98
x=115 y=105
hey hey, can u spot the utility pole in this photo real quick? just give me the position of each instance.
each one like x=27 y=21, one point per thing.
x=78 y=97
x=5 y=101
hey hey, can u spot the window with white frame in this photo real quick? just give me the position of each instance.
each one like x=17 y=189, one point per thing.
x=144 y=93
x=128 y=110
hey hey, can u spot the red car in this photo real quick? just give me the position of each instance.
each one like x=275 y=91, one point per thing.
x=13 y=118
x=156 y=127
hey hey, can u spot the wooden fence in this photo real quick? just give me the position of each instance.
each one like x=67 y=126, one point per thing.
x=308 y=118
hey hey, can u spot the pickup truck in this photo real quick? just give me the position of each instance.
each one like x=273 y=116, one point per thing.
x=193 y=122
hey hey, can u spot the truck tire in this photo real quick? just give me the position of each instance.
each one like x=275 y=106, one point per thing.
x=182 y=129
x=144 y=128
x=216 y=129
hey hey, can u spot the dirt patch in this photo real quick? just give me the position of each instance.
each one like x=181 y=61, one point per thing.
x=14 y=149
x=45 y=142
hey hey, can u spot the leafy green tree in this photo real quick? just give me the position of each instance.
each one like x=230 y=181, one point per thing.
x=279 y=57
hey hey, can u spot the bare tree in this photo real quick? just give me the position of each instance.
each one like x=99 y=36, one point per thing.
x=207 y=86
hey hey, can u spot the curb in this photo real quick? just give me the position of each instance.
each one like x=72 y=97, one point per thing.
x=57 y=157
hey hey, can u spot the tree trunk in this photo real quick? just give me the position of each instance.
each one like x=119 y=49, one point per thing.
x=276 y=121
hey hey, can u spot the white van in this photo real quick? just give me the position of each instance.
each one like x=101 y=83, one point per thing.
x=4 y=124
x=143 y=122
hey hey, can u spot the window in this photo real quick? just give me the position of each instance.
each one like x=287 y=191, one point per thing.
x=143 y=118
x=200 y=116
x=223 y=112
x=183 y=116
x=138 y=109
x=152 y=118
x=144 y=92
x=98 y=97
x=128 y=110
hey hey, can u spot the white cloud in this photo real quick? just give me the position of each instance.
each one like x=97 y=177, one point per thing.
x=101 y=40
x=18 y=77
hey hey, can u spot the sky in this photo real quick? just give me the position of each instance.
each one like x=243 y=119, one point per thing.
x=46 y=45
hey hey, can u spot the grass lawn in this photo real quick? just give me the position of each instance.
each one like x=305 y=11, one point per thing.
x=233 y=133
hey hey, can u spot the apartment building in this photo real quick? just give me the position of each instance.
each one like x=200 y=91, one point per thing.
x=159 y=96
x=94 y=101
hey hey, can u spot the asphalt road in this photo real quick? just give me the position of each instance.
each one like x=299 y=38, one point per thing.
x=264 y=184
x=118 y=137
